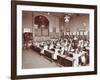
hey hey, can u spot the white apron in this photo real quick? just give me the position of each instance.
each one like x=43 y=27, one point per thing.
x=55 y=54
x=76 y=60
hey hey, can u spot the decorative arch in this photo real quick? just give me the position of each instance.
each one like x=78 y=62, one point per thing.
x=42 y=25
x=41 y=21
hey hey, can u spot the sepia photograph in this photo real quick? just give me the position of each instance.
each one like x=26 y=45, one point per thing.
x=52 y=39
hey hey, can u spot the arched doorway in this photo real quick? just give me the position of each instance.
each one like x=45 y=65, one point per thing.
x=42 y=25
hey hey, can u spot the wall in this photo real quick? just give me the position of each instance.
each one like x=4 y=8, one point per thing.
x=27 y=20
x=77 y=23
x=53 y=21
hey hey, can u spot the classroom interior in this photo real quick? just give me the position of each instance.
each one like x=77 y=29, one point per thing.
x=54 y=39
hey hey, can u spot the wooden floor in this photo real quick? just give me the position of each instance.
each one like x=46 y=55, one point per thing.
x=31 y=59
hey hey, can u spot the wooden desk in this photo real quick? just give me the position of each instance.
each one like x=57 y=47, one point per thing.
x=48 y=53
x=37 y=49
x=65 y=61
x=61 y=59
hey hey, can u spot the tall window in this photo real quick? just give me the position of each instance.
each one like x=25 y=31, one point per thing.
x=42 y=25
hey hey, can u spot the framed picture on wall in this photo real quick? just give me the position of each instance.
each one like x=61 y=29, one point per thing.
x=45 y=56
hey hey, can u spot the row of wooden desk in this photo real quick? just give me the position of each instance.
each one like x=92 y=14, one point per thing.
x=61 y=59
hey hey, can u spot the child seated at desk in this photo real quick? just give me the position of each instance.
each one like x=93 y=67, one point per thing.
x=51 y=46
x=62 y=50
x=45 y=47
x=56 y=53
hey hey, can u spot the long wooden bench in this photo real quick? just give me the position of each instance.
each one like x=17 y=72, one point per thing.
x=61 y=59
x=48 y=53
x=65 y=61
x=37 y=49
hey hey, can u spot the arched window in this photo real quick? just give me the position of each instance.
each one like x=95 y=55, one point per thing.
x=42 y=25
x=41 y=20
